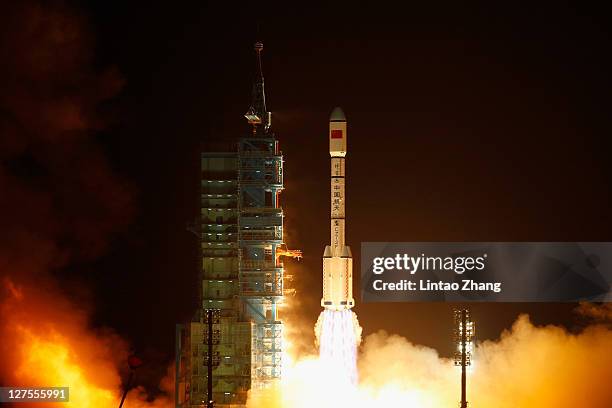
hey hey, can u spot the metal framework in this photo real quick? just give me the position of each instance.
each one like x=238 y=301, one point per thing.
x=260 y=229
x=234 y=342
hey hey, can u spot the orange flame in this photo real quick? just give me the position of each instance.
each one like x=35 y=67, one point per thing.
x=52 y=361
x=48 y=344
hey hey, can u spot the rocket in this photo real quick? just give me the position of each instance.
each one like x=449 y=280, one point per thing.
x=337 y=257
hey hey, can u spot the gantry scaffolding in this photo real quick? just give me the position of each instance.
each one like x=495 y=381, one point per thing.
x=242 y=275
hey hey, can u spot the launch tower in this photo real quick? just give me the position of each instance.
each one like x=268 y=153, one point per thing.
x=242 y=273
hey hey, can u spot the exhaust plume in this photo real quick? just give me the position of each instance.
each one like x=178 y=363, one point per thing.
x=528 y=366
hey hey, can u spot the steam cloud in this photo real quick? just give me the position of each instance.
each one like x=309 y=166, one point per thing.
x=529 y=366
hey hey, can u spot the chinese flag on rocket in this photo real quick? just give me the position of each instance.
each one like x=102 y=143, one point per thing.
x=336 y=134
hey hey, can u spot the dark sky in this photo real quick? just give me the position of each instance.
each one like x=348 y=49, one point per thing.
x=465 y=124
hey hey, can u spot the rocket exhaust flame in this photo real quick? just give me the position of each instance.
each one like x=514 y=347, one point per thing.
x=338 y=335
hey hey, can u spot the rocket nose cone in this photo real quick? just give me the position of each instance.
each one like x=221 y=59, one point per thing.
x=337 y=115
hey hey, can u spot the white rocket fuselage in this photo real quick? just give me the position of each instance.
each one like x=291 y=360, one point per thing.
x=337 y=257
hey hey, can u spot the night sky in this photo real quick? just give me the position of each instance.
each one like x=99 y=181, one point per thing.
x=465 y=124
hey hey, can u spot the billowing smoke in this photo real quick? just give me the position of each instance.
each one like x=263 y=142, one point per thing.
x=60 y=204
x=599 y=313
x=46 y=340
x=528 y=367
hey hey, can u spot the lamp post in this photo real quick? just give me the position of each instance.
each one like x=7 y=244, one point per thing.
x=463 y=336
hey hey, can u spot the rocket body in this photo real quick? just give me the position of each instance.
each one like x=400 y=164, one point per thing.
x=337 y=257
